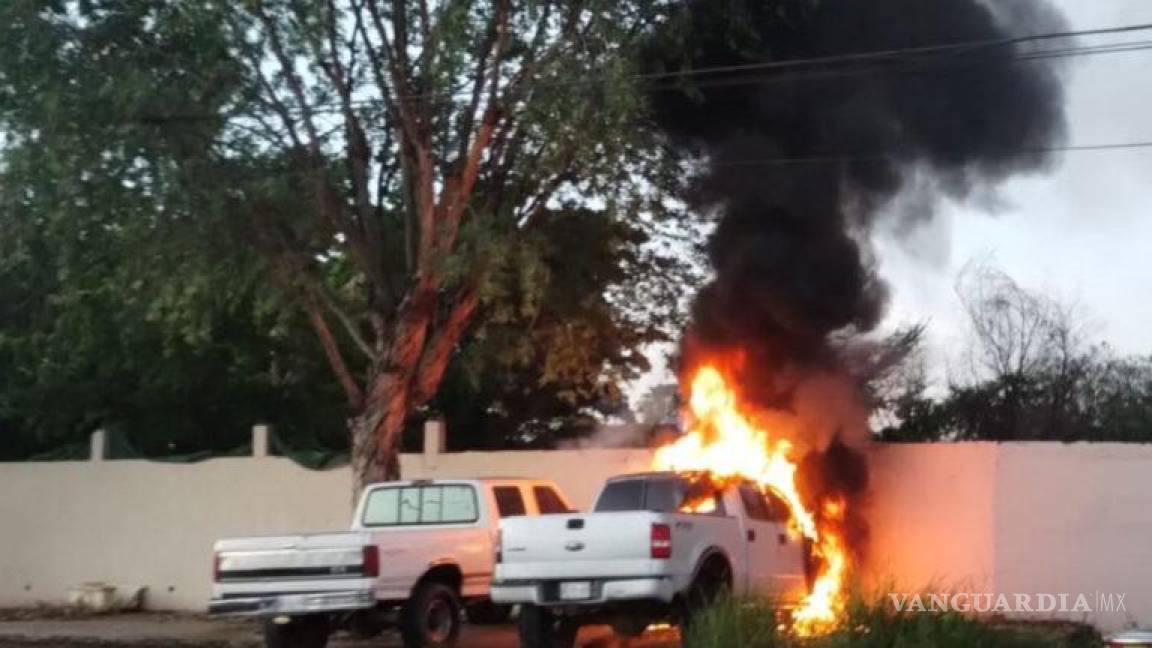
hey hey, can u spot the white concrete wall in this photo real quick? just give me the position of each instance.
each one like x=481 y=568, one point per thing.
x=153 y=524
x=1077 y=519
x=1025 y=518
x=931 y=516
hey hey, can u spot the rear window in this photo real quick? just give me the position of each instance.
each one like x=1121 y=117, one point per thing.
x=509 y=502
x=624 y=495
x=660 y=495
x=416 y=505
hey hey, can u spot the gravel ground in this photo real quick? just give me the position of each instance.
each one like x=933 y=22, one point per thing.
x=24 y=629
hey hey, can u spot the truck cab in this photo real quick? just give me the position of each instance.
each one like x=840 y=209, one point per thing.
x=418 y=554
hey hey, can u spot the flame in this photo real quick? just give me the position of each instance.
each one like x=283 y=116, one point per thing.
x=724 y=440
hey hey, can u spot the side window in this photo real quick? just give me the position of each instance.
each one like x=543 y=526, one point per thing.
x=509 y=502
x=548 y=502
x=778 y=510
x=755 y=505
x=701 y=497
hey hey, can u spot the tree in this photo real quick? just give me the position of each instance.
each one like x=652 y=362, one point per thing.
x=382 y=156
x=1033 y=377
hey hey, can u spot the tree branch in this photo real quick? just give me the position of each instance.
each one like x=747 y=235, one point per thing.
x=439 y=349
x=352 y=391
x=350 y=327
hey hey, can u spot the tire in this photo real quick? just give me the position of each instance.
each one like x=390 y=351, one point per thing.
x=431 y=618
x=309 y=631
x=714 y=580
x=630 y=625
x=488 y=613
x=539 y=628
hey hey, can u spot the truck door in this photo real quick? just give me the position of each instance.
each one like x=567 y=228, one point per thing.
x=791 y=554
x=774 y=558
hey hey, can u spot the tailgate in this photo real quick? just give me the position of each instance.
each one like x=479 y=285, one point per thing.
x=298 y=564
x=596 y=545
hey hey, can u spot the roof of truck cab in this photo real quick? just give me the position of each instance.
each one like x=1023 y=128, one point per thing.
x=457 y=480
x=655 y=473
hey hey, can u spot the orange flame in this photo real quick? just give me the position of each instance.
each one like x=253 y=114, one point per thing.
x=724 y=440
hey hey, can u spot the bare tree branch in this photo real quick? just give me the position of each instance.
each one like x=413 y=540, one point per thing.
x=352 y=391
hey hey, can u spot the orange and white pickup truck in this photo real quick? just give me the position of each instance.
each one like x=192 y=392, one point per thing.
x=419 y=554
x=656 y=546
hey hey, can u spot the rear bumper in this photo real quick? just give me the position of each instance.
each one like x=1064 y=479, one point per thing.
x=290 y=604
x=603 y=591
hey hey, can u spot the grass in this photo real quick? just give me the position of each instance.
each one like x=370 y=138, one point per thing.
x=753 y=623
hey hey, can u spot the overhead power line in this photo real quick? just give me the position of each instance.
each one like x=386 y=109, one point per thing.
x=840 y=159
x=826 y=64
x=879 y=55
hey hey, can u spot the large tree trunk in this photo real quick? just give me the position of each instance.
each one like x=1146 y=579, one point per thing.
x=376 y=432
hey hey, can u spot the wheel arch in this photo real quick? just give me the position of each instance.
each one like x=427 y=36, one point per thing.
x=447 y=573
x=710 y=556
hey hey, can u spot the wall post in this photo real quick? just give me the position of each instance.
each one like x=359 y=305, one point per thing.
x=98 y=446
x=260 y=440
x=435 y=437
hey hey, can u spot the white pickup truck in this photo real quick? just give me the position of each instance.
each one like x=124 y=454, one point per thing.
x=640 y=558
x=418 y=554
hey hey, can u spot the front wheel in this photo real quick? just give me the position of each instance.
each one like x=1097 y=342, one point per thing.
x=539 y=628
x=309 y=631
x=431 y=618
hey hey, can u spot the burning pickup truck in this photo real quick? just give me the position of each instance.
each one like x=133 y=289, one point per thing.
x=656 y=546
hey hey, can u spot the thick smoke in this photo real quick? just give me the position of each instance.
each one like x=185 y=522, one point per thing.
x=801 y=161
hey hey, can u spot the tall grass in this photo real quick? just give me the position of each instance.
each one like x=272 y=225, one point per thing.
x=754 y=623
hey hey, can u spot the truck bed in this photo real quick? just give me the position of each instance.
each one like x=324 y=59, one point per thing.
x=611 y=547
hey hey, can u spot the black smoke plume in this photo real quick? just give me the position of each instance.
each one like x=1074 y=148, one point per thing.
x=802 y=160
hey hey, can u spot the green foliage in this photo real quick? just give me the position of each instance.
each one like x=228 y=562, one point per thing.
x=163 y=208
x=751 y=623
x=1033 y=377
x=1108 y=399
x=550 y=354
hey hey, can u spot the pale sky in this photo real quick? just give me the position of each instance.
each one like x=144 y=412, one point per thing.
x=1082 y=232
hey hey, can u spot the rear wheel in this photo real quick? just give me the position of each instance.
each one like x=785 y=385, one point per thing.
x=309 y=631
x=630 y=625
x=713 y=580
x=539 y=628
x=431 y=618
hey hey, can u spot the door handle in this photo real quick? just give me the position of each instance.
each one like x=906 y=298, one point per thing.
x=751 y=535
x=782 y=538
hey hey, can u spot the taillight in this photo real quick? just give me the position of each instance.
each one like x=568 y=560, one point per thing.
x=215 y=566
x=499 y=545
x=661 y=541
x=371 y=562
